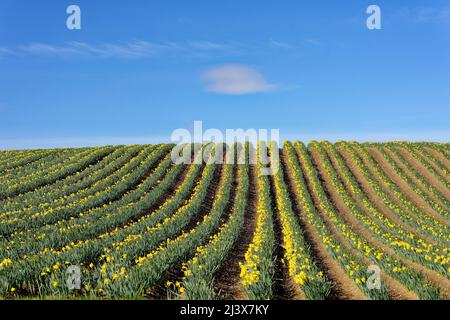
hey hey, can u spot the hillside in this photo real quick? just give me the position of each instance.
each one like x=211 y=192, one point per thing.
x=126 y=222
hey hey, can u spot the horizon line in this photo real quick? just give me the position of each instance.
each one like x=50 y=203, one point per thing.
x=74 y=142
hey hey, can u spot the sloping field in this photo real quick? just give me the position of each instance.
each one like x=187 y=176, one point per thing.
x=332 y=221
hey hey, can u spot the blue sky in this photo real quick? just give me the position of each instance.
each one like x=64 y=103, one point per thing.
x=138 y=70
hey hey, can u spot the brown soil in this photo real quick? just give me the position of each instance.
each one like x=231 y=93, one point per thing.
x=139 y=181
x=284 y=286
x=411 y=175
x=393 y=196
x=439 y=156
x=227 y=281
x=167 y=195
x=343 y=287
x=175 y=274
x=435 y=278
x=396 y=289
x=427 y=175
x=404 y=187
x=129 y=189
x=434 y=165
x=368 y=190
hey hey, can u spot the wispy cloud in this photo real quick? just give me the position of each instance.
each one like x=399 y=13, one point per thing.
x=312 y=42
x=280 y=44
x=208 y=45
x=136 y=49
x=425 y=14
x=235 y=79
x=307 y=42
x=5 y=52
x=126 y=50
x=139 y=49
x=438 y=15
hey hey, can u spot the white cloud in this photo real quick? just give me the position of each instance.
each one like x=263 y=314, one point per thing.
x=439 y=15
x=280 y=44
x=208 y=45
x=433 y=15
x=135 y=49
x=312 y=42
x=131 y=49
x=5 y=52
x=235 y=79
x=138 y=49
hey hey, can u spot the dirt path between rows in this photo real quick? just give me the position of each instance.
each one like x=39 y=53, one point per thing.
x=175 y=273
x=369 y=191
x=343 y=286
x=433 y=162
x=405 y=188
x=424 y=172
x=227 y=282
x=408 y=173
x=284 y=287
x=439 y=156
x=397 y=289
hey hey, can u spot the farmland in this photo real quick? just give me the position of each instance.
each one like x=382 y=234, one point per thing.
x=126 y=222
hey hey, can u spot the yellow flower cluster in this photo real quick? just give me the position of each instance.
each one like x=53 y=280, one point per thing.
x=348 y=261
x=419 y=219
x=301 y=266
x=6 y=262
x=391 y=233
x=249 y=269
x=261 y=248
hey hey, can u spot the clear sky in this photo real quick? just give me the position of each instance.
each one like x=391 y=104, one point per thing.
x=137 y=70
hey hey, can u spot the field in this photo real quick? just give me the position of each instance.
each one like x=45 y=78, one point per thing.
x=335 y=221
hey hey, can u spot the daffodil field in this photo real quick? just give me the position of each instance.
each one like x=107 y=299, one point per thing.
x=341 y=220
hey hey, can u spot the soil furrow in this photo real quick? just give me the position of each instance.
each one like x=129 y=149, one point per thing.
x=284 y=287
x=439 y=156
x=404 y=187
x=378 y=203
x=349 y=289
x=330 y=268
x=227 y=282
x=396 y=289
x=175 y=274
x=409 y=174
x=432 y=163
x=427 y=175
